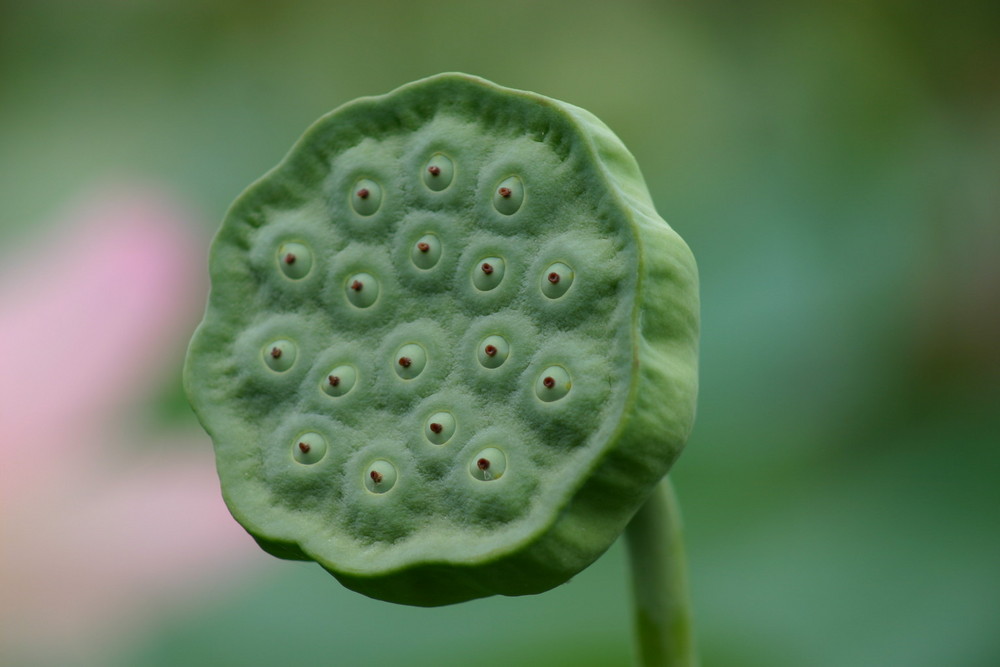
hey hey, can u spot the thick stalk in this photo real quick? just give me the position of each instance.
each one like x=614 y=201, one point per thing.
x=661 y=606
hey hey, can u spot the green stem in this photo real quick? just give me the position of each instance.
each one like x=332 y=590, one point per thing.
x=662 y=610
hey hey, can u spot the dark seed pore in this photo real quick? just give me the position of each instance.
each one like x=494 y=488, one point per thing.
x=487 y=268
x=490 y=350
x=483 y=464
x=289 y=258
x=549 y=382
x=553 y=277
x=437 y=428
x=275 y=352
x=357 y=285
x=376 y=476
x=423 y=247
x=363 y=193
x=304 y=447
x=334 y=380
x=434 y=170
x=504 y=192
x=405 y=362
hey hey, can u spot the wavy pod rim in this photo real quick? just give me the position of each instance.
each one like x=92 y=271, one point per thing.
x=657 y=410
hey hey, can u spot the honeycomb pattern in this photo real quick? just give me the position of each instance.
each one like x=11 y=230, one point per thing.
x=436 y=333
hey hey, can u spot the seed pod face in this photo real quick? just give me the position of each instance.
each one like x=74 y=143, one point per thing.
x=488 y=363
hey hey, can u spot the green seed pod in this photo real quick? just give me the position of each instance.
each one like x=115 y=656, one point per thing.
x=426 y=430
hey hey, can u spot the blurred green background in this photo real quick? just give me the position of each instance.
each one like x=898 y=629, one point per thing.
x=834 y=166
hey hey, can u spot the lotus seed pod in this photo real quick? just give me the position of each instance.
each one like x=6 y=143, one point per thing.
x=480 y=361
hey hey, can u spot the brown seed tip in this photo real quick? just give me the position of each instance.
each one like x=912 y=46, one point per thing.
x=357 y=285
x=549 y=382
x=376 y=476
x=487 y=268
x=490 y=350
x=434 y=170
x=289 y=258
x=483 y=464
x=405 y=362
x=504 y=192
x=436 y=428
x=363 y=193
x=553 y=277
x=423 y=247
x=276 y=352
x=304 y=447
x=334 y=380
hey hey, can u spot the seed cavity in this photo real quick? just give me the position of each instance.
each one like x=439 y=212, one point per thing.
x=380 y=476
x=488 y=273
x=339 y=380
x=493 y=351
x=362 y=290
x=309 y=448
x=553 y=383
x=279 y=355
x=426 y=253
x=488 y=465
x=440 y=427
x=366 y=197
x=410 y=360
x=556 y=280
x=509 y=195
x=295 y=260
x=439 y=173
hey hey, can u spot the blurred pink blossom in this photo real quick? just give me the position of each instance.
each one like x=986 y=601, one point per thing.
x=105 y=521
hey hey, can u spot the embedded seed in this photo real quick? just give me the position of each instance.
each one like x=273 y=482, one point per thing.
x=493 y=351
x=367 y=197
x=440 y=427
x=279 y=355
x=380 y=476
x=410 y=361
x=427 y=252
x=557 y=281
x=309 y=448
x=340 y=380
x=362 y=290
x=439 y=173
x=508 y=196
x=489 y=464
x=553 y=384
x=295 y=260
x=490 y=273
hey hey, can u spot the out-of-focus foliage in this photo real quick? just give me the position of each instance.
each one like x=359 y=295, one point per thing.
x=833 y=166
